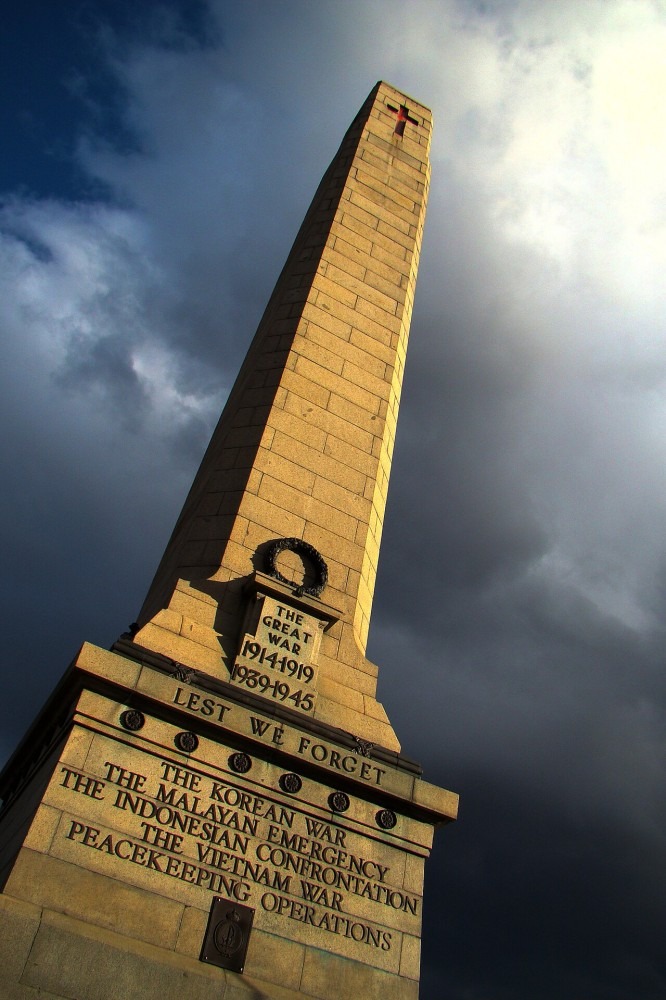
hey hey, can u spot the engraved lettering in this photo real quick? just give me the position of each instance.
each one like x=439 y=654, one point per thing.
x=81 y=783
x=180 y=776
x=126 y=779
x=258 y=726
x=334 y=922
x=208 y=706
x=225 y=839
x=317 y=894
x=161 y=838
x=322 y=831
x=350 y=763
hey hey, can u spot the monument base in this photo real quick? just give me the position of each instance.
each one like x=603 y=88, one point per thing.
x=145 y=792
x=47 y=954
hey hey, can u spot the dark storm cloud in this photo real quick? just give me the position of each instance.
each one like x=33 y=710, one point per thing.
x=519 y=614
x=547 y=903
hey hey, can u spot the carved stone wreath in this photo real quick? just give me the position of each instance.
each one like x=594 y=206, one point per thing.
x=301 y=548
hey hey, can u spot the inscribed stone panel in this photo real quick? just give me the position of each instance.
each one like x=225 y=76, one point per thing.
x=278 y=653
x=186 y=829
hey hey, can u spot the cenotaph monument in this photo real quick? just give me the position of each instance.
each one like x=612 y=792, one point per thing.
x=218 y=808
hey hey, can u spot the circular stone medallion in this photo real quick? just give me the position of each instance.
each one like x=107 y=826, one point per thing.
x=338 y=802
x=132 y=720
x=187 y=742
x=240 y=763
x=290 y=783
x=386 y=819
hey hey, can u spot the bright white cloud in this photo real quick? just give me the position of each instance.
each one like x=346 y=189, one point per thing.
x=88 y=319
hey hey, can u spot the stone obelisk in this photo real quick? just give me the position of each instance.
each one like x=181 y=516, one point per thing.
x=218 y=806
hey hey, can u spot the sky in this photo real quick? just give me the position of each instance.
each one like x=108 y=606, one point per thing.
x=158 y=159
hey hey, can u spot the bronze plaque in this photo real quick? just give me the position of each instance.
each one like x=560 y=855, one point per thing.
x=227 y=934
